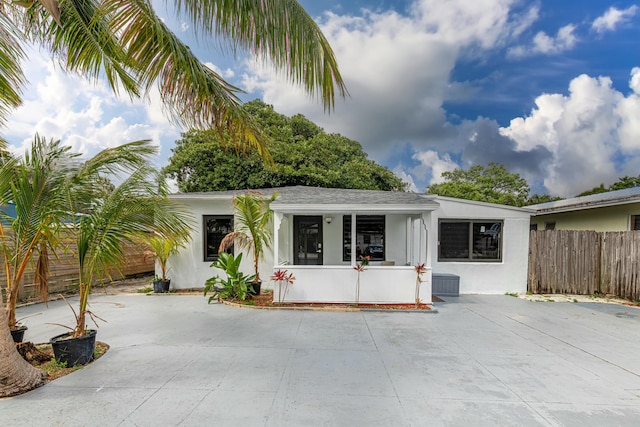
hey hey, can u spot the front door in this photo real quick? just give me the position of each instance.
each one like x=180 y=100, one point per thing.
x=307 y=235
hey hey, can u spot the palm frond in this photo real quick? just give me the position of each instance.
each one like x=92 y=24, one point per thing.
x=280 y=30
x=12 y=79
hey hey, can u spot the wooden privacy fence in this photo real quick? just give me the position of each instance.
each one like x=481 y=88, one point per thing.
x=63 y=271
x=585 y=262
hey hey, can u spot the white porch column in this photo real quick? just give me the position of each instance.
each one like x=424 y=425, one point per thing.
x=353 y=240
x=277 y=220
x=409 y=238
x=424 y=239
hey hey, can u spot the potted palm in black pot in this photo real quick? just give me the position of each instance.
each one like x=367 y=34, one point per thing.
x=161 y=247
x=252 y=229
x=104 y=222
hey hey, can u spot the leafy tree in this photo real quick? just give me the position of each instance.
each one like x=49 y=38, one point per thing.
x=620 y=184
x=302 y=154
x=492 y=184
x=535 y=199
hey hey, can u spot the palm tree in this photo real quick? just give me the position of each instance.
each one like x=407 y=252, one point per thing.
x=33 y=186
x=52 y=190
x=252 y=226
x=135 y=207
x=126 y=42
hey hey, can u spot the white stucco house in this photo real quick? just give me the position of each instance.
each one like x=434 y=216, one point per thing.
x=319 y=234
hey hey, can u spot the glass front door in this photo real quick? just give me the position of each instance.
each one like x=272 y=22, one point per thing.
x=307 y=234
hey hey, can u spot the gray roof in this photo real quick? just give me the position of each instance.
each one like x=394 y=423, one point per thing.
x=301 y=195
x=610 y=198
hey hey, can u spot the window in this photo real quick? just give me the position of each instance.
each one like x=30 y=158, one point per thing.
x=470 y=240
x=533 y=227
x=215 y=228
x=635 y=223
x=550 y=225
x=369 y=237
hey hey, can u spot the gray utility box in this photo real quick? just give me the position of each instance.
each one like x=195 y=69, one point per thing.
x=446 y=285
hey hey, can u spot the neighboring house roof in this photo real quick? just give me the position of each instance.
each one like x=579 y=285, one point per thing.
x=319 y=199
x=601 y=200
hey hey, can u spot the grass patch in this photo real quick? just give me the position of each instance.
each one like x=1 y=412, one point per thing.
x=512 y=294
x=145 y=290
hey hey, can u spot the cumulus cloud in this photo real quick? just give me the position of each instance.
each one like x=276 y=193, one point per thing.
x=612 y=18
x=542 y=43
x=432 y=164
x=397 y=68
x=86 y=116
x=587 y=132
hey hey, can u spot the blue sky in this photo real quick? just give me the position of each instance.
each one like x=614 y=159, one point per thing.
x=549 y=89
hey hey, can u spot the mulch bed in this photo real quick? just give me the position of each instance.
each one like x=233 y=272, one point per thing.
x=265 y=300
x=41 y=356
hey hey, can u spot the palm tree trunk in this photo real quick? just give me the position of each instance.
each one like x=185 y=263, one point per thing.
x=16 y=374
x=12 y=301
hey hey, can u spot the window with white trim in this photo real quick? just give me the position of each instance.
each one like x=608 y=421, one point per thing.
x=470 y=240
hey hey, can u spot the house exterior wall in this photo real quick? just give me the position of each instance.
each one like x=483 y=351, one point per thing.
x=497 y=277
x=610 y=218
x=188 y=269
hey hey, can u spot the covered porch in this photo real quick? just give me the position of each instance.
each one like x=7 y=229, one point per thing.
x=321 y=243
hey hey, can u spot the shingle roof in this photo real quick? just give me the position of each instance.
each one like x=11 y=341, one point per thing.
x=301 y=195
x=610 y=198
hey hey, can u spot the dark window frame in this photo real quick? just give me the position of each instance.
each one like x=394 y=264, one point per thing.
x=634 y=223
x=346 y=233
x=471 y=242
x=206 y=255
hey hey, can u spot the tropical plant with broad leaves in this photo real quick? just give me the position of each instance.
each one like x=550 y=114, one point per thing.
x=233 y=285
x=252 y=226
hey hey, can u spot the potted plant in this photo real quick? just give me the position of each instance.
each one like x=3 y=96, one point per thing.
x=233 y=285
x=106 y=220
x=161 y=248
x=359 y=268
x=252 y=229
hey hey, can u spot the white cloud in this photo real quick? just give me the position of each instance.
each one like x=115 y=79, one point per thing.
x=397 y=69
x=433 y=165
x=542 y=43
x=86 y=116
x=587 y=132
x=612 y=18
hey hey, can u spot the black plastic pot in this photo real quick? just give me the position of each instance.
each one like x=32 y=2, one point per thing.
x=74 y=351
x=254 y=288
x=161 y=286
x=18 y=334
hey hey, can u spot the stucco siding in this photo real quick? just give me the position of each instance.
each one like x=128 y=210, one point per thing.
x=611 y=218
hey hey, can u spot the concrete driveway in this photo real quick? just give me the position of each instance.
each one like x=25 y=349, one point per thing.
x=481 y=360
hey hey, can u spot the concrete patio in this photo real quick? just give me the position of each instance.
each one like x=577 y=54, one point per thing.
x=482 y=360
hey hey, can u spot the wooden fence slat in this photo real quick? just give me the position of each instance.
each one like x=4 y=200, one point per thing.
x=63 y=275
x=585 y=262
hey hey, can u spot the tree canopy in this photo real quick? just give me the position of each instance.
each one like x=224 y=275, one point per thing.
x=302 y=154
x=492 y=184
x=620 y=184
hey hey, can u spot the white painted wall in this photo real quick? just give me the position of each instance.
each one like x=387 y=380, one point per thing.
x=337 y=284
x=189 y=270
x=509 y=275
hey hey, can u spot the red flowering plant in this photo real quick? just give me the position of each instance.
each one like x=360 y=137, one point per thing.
x=420 y=270
x=283 y=277
x=364 y=261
